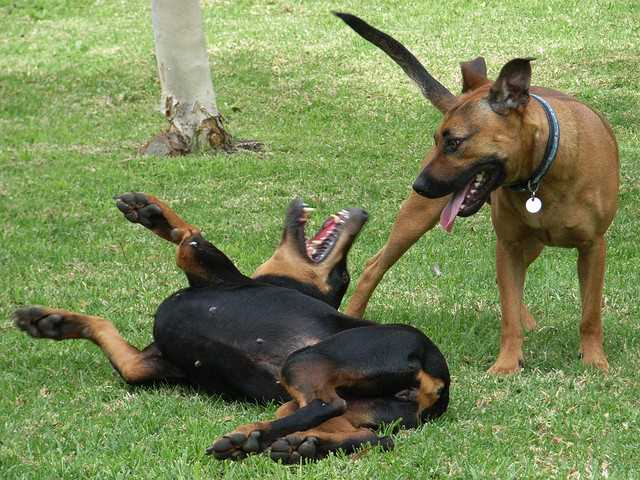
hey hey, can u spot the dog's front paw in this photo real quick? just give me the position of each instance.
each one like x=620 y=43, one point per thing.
x=506 y=366
x=236 y=445
x=594 y=356
x=139 y=208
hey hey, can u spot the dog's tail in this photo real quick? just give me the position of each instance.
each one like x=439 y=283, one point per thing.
x=431 y=88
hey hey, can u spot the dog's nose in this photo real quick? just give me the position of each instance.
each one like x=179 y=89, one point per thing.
x=430 y=187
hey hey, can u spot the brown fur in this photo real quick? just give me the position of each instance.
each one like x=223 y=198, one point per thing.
x=135 y=366
x=428 y=391
x=288 y=262
x=579 y=194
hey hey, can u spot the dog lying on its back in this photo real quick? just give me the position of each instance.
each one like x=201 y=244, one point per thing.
x=276 y=336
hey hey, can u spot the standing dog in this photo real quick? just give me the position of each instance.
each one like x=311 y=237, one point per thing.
x=547 y=163
x=276 y=336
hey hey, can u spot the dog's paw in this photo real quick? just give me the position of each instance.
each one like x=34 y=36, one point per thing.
x=42 y=322
x=236 y=446
x=139 y=208
x=502 y=367
x=296 y=448
x=595 y=357
x=309 y=446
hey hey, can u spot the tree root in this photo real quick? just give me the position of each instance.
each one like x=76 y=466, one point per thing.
x=210 y=136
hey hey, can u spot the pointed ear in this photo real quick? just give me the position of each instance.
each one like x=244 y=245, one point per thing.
x=511 y=90
x=474 y=74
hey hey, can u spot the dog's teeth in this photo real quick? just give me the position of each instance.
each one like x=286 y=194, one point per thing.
x=473 y=190
x=193 y=244
x=308 y=209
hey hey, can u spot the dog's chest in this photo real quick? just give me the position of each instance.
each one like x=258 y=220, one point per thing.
x=556 y=224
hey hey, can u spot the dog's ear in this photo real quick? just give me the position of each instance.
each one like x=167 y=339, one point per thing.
x=474 y=74
x=511 y=90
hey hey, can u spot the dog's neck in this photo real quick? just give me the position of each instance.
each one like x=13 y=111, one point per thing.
x=545 y=146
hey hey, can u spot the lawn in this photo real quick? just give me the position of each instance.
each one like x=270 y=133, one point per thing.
x=342 y=127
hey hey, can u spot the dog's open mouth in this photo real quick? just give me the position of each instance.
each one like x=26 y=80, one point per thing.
x=468 y=200
x=318 y=248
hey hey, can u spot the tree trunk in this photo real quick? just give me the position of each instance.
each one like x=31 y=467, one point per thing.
x=188 y=100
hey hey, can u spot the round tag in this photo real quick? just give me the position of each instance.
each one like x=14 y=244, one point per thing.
x=533 y=205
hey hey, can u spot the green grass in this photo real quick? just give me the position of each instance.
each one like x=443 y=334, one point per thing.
x=343 y=127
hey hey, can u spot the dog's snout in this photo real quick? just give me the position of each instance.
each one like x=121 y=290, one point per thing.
x=359 y=214
x=431 y=187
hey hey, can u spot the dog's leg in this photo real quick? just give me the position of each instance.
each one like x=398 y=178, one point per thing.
x=249 y=438
x=153 y=214
x=334 y=434
x=356 y=427
x=133 y=365
x=591 y=265
x=314 y=402
x=255 y=437
x=510 y=270
x=203 y=263
x=531 y=251
x=417 y=215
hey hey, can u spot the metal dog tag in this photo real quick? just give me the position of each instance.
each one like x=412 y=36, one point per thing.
x=533 y=205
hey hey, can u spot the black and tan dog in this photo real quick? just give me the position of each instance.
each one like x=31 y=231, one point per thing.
x=547 y=163
x=276 y=336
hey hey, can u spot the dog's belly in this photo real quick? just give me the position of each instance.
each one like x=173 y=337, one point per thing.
x=236 y=339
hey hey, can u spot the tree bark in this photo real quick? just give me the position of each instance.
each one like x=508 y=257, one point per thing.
x=188 y=101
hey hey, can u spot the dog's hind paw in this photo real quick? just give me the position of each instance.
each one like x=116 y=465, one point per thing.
x=316 y=445
x=236 y=446
x=40 y=322
x=295 y=448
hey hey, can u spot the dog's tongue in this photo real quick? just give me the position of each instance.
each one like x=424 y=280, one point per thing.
x=448 y=215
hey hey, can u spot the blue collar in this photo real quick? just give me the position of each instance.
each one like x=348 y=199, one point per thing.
x=533 y=183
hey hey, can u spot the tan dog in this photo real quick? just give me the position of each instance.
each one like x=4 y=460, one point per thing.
x=495 y=137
